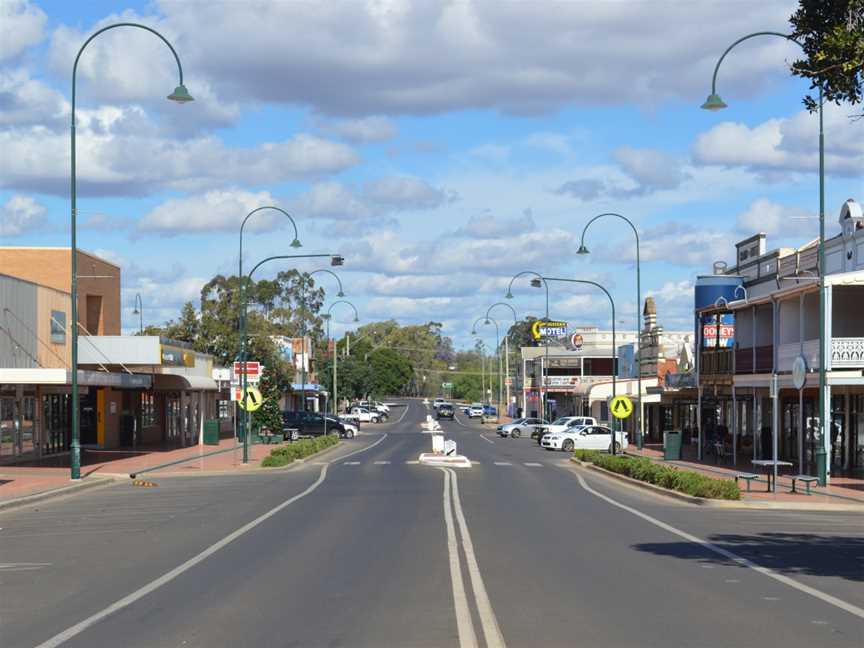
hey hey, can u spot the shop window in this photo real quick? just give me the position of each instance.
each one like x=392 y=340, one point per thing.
x=148 y=409
x=224 y=409
x=58 y=327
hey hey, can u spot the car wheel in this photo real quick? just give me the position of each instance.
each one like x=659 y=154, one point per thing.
x=516 y=433
x=349 y=434
x=617 y=448
x=294 y=435
x=567 y=446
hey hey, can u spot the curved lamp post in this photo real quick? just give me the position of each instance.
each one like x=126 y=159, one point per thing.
x=341 y=293
x=714 y=102
x=509 y=295
x=335 y=260
x=482 y=365
x=506 y=347
x=486 y=321
x=139 y=311
x=303 y=322
x=328 y=316
x=584 y=250
x=536 y=284
x=180 y=95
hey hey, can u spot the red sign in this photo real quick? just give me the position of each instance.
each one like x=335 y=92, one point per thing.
x=253 y=368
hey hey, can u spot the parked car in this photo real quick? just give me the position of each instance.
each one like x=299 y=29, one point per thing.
x=591 y=437
x=437 y=402
x=490 y=410
x=475 y=411
x=364 y=415
x=565 y=423
x=381 y=408
x=352 y=428
x=299 y=424
x=526 y=426
x=446 y=410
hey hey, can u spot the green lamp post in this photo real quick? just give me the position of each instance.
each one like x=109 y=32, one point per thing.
x=328 y=316
x=536 y=283
x=506 y=347
x=139 y=311
x=640 y=432
x=713 y=103
x=244 y=432
x=180 y=95
x=486 y=320
x=509 y=295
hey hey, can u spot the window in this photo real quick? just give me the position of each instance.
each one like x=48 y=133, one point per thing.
x=224 y=409
x=58 y=327
x=148 y=409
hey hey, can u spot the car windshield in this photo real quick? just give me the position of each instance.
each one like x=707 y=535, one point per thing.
x=561 y=421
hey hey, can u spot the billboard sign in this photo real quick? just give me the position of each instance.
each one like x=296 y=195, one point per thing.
x=718 y=331
x=548 y=328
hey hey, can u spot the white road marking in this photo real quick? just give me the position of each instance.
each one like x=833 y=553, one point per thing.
x=356 y=452
x=532 y=464
x=491 y=629
x=140 y=593
x=351 y=463
x=464 y=624
x=503 y=463
x=22 y=566
x=381 y=463
x=744 y=562
x=487 y=440
x=412 y=463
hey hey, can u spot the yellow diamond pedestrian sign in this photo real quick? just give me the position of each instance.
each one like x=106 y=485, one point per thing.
x=621 y=407
x=252 y=401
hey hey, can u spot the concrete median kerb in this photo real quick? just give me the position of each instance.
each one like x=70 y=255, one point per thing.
x=717 y=503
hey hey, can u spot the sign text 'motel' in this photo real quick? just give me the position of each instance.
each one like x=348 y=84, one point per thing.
x=548 y=328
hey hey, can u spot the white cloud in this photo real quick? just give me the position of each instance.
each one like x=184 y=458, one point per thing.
x=362 y=130
x=774 y=219
x=786 y=144
x=405 y=193
x=25 y=101
x=652 y=170
x=21 y=25
x=214 y=211
x=21 y=214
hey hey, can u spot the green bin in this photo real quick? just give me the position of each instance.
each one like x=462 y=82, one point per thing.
x=672 y=446
x=211 y=432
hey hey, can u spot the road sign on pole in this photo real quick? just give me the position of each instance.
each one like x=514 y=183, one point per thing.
x=252 y=401
x=621 y=407
x=253 y=372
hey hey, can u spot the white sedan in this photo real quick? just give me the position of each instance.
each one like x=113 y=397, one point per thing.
x=364 y=415
x=591 y=437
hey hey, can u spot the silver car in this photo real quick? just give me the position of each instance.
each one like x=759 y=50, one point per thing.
x=522 y=426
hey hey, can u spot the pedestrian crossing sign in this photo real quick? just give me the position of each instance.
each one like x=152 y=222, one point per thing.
x=252 y=401
x=621 y=407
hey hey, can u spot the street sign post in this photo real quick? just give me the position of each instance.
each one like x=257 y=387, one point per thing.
x=253 y=372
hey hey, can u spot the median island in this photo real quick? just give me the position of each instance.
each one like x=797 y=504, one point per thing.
x=642 y=469
x=287 y=454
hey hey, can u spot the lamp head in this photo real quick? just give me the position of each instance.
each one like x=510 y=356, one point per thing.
x=337 y=260
x=340 y=294
x=325 y=316
x=296 y=243
x=180 y=94
x=136 y=311
x=713 y=103
x=473 y=332
x=356 y=319
x=486 y=321
x=582 y=250
x=509 y=295
x=536 y=283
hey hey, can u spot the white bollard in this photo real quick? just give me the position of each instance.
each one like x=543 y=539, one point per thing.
x=437 y=443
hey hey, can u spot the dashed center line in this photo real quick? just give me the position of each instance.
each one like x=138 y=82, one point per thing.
x=532 y=464
x=412 y=463
x=381 y=463
x=351 y=463
x=503 y=463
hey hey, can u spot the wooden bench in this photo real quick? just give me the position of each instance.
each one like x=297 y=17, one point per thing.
x=807 y=479
x=748 y=477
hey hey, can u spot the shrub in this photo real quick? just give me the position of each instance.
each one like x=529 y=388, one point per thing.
x=286 y=454
x=643 y=469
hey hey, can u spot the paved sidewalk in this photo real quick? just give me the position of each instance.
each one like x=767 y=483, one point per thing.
x=22 y=481
x=841 y=489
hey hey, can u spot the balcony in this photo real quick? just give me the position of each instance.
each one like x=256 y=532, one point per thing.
x=716 y=362
x=847 y=353
x=764 y=360
x=787 y=353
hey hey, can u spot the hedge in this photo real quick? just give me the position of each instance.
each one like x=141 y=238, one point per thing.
x=286 y=454
x=643 y=469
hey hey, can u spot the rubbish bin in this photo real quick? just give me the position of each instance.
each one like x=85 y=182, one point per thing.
x=211 y=432
x=672 y=445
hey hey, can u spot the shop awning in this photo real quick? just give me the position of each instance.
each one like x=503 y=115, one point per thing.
x=42 y=376
x=178 y=382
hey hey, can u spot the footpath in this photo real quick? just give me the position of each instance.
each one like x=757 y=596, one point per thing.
x=842 y=491
x=30 y=481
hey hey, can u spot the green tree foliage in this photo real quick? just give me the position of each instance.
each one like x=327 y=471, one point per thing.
x=391 y=372
x=832 y=32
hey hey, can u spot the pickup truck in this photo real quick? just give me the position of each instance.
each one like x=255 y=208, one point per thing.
x=363 y=415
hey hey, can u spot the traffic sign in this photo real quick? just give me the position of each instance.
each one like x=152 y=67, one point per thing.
x=621 y=407
x=253 y=371
x=253 y=399
x=508 y=381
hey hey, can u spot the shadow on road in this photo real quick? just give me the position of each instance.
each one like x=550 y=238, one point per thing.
x=787 y=553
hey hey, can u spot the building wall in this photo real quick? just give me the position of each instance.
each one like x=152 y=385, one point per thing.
x=53 y=354
x=18 y=317
x=50 y=267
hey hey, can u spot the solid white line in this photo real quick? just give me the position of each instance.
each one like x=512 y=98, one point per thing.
x=356 y=452
x=491 y=629
x=487 y=440
x=801 y=587
x=531 y=464
x=464 y=624
x=503 y=463
x=140 y=593
x=407 y=407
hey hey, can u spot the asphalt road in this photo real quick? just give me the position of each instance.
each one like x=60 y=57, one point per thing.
x=364 y=547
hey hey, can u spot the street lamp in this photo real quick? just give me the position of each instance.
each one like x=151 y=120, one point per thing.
x=540 y=281
x=243 y=377
x=506 y=346
x=536 y=284
x=482 y=366
x=328 y=316
x=335 y=261
x=139 y=311
x=584 y=251
x=180 y=95
x=486 y=321
x=713 y=103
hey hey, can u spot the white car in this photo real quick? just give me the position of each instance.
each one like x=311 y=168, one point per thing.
x=375 y=406
x=437 y=402
x=566 y=422
x=364 y=415
x=475 y=411
x=351 y=427
x=590 y=437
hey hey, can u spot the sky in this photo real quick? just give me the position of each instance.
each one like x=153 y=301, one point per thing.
x=440 y=147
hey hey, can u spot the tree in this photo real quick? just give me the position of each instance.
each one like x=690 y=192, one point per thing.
x=391 y=372
x=832 y=32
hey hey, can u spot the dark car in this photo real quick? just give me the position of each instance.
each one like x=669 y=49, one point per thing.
x=300 y=424
x=446 y=410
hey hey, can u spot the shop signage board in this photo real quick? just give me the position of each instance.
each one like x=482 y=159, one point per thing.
x=548 y=329
x=718 y=331
x=253 y=372
x=576 y=341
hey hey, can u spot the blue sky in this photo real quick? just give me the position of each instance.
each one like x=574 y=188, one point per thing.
x=441 y=148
